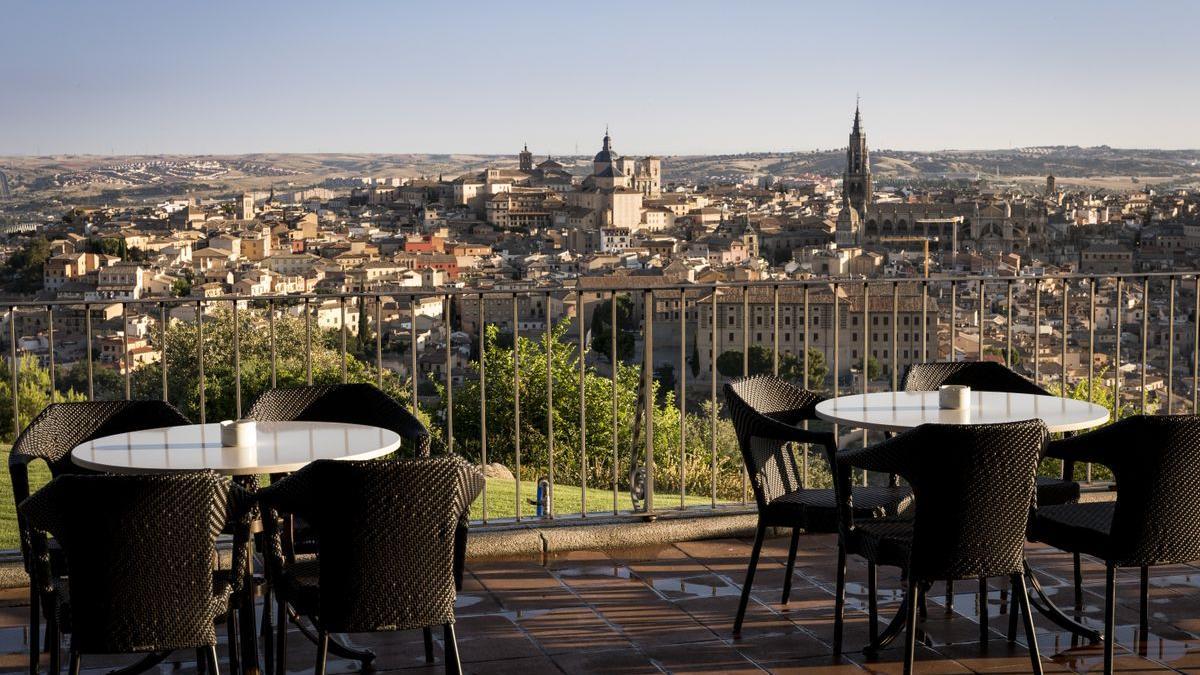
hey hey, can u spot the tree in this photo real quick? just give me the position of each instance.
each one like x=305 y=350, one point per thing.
x=253 y=363
x=1100 y=393
x=25 y=268
x=664 y=377
x=33 y=394
x=182 y=287
x=602 y=328
x=874 y=369
x=694 y=360
x=818 y=370
x=730 y=363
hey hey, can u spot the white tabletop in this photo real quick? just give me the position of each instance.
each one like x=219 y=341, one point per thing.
x=897 y=411
x=281 y=447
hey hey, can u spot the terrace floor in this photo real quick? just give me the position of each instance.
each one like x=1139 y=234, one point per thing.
x=671 y=608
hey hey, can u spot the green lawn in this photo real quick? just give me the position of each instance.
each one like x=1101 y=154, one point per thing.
x=501 y=500
x=501 y=497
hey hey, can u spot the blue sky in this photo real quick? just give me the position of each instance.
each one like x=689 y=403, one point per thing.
x=670 y=78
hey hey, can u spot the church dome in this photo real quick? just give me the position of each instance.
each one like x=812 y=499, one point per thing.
x=606 y=153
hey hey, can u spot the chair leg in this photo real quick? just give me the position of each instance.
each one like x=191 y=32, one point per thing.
x=453 y=665
x=839 y=600
x=73 y=669
x=281 y=636
x=910 y=640
x=214 y=667
x=873 y=602
x=428 y=644
x=791 y=565
x=1110 y=616
x=266 y=632
x=1014 y=609
x=759 y=534
x=231 y=635
x=52 y=638
x=1078 y=583
x=1035 y=657
x=983 y=613
x=35 y=626
x=1144 y=615
x=322 y=651
x=949 y=595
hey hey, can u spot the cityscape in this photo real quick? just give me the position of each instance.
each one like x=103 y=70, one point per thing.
x=662 y=338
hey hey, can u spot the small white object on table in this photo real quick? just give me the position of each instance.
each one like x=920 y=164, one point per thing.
x=902 y=410
x=279 y=447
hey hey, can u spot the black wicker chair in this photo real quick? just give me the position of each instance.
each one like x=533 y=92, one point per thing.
x=140 y=552
x=50 y=437
x=385 y=533
x=352 y=403
x=766 y=411
x=992 y=376
x=973 y=490
x=1155 y=519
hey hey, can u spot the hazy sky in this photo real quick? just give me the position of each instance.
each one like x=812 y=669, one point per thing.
x=670 y=78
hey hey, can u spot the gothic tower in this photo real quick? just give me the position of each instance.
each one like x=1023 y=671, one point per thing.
x=526 y=159
x=857 y=189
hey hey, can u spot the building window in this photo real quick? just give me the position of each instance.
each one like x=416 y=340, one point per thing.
x=731 y=337
x=854 y=320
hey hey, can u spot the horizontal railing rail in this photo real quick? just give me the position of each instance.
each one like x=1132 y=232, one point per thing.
x=604 y=401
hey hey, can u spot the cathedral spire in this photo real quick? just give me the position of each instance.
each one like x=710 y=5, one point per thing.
x=857 y=117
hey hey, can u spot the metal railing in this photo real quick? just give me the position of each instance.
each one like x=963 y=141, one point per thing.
x=572 y=442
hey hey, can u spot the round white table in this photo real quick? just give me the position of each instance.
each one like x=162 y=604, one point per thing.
x=902 y=410
x=282 y=447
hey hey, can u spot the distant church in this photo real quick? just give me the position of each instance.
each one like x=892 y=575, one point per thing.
x=992 y=223
x=612 y=195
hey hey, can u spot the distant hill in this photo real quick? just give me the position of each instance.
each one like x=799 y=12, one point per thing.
x=158 y=176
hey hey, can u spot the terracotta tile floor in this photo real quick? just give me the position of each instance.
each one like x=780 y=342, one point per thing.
x=670 y=609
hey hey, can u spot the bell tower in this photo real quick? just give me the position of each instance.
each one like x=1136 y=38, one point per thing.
x=857 y=188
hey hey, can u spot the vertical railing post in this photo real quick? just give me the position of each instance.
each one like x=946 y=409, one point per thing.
x=308 y=373
x=1196 y=349
x=549 y=338
x=895 y=333
x=683 y=367
x=775 y=330
x=924 y=320
x=836 y=342
x=953 y=320
x=1091 y=355
x=1145 y=335
x=446 y=312
x=979 y=322
x=342 y=310
x=1066 y=291
x=868 y=340
x=87 y=328
x=13 y=368
x=237 y=363
x=614 y=360
x=271 y=339
x=712 y=413
x=1008 y=349
x=126 y=363
x=1037 y=332
x=1117 y=378
x=804 y=328
x=378 y=341
x=648 y=387
x=1170 y=345
x=50 y=347
x=200 y=354
x=583 y=465
x=483 y=433
x=516 y=325
x=745 y=366
x=412 y=349
x=162 y=347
